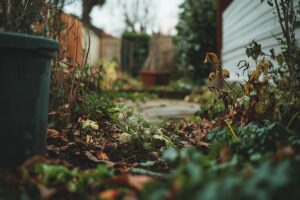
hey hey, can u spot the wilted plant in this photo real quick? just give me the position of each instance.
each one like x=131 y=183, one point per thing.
x=272 y=88
x=255 y=101
x=287 y=75
x=20 y=16
x=69 y=81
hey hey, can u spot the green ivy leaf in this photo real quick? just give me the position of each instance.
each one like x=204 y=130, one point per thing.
x=280 y=59
x=170 y=155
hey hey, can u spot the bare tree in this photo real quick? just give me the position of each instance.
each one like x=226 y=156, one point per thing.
x=87 y=6
x=138 y=14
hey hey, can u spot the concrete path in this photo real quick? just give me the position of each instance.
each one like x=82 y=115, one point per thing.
x=158 y=109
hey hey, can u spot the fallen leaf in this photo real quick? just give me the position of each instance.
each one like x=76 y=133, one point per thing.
x=204 y=144
x=102 y=155
x=89 y=139
x=93 y=158
x=135 y=182
x=80 y=98
x=53 y=148
x=46 y=192
x=284 y=152
x=138 y=182
x=77 y=133
x=224 y=154
x=110 y=194
x=53 y=133
x=88 y=123
x=53 y=113
x=94 y=125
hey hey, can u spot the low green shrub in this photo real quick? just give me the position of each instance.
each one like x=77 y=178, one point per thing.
x=260 y=164
x=152 y=137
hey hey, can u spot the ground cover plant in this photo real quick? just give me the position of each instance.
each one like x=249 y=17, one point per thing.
x=243 y=144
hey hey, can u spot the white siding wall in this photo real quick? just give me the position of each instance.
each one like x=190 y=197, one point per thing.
x=94 y=56
x=94 y=51
x=244 y=21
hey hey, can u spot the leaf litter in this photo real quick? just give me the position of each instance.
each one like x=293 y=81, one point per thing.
x=71 y=156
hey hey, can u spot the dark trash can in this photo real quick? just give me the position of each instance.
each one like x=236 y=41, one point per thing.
x=24 y=93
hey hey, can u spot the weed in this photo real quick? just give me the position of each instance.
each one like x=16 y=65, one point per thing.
x=139 y=131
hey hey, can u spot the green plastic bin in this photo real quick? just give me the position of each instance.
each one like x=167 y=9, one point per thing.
x=24 y=94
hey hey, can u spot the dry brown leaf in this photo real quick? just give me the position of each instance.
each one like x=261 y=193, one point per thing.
x=80 y=98
x=46 y=192
x=54 y=113
x=53 y=148
x=284 y=152
x=205 y=144
x=224 y=154
x=102 y=155
x=211 y=58
x=53 y=133
x=93 y=158
x=197 y=132
x=110 y=194
x=138 y=181
x=135 y=182
x=89 y=139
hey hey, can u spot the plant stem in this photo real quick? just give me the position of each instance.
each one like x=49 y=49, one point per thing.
x=292 y=120
x=231 y=88
x=235 y=138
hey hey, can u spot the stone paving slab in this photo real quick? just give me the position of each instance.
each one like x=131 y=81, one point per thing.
x=158 y=109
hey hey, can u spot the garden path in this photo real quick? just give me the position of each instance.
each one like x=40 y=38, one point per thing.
x=159 y=109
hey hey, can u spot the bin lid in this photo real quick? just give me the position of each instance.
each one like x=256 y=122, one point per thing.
x=25 y=41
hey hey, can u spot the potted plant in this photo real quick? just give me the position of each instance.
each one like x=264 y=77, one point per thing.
x=156 y=70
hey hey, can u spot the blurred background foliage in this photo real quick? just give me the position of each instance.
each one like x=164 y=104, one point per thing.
x=134 y=51
x=196 y=36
